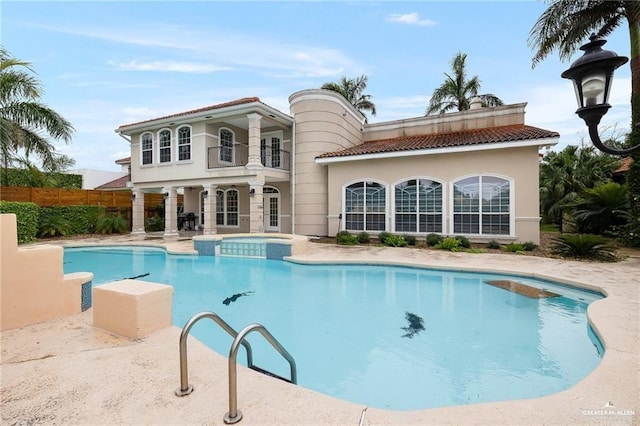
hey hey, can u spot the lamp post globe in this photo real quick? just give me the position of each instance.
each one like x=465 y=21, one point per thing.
x=592 y=75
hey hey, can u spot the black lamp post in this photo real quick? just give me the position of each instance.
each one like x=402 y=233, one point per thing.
x=592 y=74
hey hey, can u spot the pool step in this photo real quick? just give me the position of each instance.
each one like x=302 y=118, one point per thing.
x=269 y=373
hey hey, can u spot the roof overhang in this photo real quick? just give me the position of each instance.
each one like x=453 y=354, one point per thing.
x=445 y=150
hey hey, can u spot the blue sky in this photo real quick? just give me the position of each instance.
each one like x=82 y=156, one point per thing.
x=104 y=64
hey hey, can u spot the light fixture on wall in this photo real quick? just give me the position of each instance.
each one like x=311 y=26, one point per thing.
x=252 y=192
x=205 y=194
x=133 y=196
x=165 y=195
x=592 y=74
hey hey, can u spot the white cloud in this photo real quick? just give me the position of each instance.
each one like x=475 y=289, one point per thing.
x=166 y=66
x=410 y=19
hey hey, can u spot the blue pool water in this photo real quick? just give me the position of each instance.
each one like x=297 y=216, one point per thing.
x=349 y=327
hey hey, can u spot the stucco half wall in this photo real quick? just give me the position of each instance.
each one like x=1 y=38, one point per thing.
x=520 y=165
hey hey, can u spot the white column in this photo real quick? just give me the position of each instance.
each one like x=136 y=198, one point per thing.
x=256 y=207
x=210 y=226
x=170 y=213
x=137 y=214
x=254 y=161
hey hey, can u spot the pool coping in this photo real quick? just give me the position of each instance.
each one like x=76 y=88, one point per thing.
x=608 y=395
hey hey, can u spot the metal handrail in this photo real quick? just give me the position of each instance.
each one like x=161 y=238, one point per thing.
x=234 y=415
x=185 y=388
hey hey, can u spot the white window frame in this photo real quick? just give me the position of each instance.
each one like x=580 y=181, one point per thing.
x=181 y=145
x=160 y=147
x=143 y=150
x=220 y=146
x=443 y=210
x=223 y=208
x=512 y=201
x=343 y=225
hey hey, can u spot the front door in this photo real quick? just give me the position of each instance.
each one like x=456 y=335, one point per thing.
x=271 y=212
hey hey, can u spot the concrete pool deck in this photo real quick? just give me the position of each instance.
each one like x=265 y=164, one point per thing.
x=65 y=371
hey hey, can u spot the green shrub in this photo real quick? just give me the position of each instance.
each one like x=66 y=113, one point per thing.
x=530 y=246
x=395 y=241
x=54 y=226
x=27 y=215
x=421 y=244
x=434 y=239
x=583 y=246
x=155 y=223
x=111 y=224
x=410 y=239
x=493 y=244
x=382 y=237
x=449 y=243
x=363 y=237
x=464 y=241
x=80 y=219
x=514 y=248
x=345 y=238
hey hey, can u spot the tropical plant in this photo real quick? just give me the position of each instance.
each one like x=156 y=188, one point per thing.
x=434 y=239
x=352 y=90
x=111 y=224
x=395 y=241
x=599 y=209
x=382 y=237
x=493 y=244
x=363 y=237
x=155 y=223
x=410 y=239
x=514 y=248
x=456 y=92
x=26 y=124
x=564 y=26
x=565 y=174
x=53 y=226
x=583 y=246
x=449 y=243
x=529 y=246
x=346 y=238
x=464 y=241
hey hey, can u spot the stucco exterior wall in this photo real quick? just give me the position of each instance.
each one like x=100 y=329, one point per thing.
x=325 y=122
x=518 y=164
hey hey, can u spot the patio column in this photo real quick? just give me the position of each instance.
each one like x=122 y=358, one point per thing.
x=170 y=213
x=254 y=161
x=137 y=214
x=209 y=219
x=256 y=207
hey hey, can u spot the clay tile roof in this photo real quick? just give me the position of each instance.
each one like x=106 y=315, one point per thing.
x=195 y=111
x=120 y=183
x=623 y=165
x=126 y=160
x=510 y=133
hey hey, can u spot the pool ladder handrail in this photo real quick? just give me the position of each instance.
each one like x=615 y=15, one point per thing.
x=234 y=415
x=185 y=388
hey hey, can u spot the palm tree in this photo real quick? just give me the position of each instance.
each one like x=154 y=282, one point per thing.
x=564 y=26
x=566 y=174
x=25 y=123
x=456 y=91
x=352 y=89
x=601 y=208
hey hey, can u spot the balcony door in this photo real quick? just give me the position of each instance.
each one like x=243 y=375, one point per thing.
x=270 y=146
x=271 y=209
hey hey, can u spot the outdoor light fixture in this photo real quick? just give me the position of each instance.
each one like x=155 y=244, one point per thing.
x=165 y=195
x=133 y=196
x=205 y=194
x=252 y=192
x=592 y=75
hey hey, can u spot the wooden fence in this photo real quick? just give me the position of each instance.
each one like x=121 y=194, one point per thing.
x=117 y=201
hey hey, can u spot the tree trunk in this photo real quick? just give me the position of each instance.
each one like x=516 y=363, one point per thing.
x=632 y=234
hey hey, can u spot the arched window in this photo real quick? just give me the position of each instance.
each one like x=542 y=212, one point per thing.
x=482 y=206
x=365 y=206
x=226 y=146
x=146 y=148
x=184 y=143
x=418 y=206
x=164 y=141
x=227 y=207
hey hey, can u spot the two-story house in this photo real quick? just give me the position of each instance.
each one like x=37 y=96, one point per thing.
x=244 y=166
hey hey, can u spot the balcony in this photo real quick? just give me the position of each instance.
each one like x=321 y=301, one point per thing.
x=238 y=155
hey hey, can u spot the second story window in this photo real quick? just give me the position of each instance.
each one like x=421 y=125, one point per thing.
x=226 y=146
x=165 y=146
x=184 y=143
x=146 y=148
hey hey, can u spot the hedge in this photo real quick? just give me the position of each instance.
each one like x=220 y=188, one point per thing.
x=23 y=177
x=27 y=215
x=81 y=219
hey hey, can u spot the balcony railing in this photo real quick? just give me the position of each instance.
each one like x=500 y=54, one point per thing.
x=238 y=155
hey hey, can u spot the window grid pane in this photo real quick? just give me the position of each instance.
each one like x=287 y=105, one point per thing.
x=226 y=146
x=369 y=197
x=232 y=207
x=220 y=207
x=147 y=149
x=184 y=143
x=165 y=146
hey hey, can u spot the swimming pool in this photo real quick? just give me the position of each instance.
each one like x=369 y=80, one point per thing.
x=389 y=337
